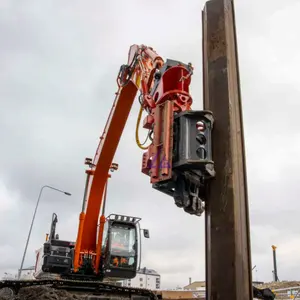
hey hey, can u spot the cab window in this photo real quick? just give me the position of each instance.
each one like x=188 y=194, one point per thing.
x=123 y=252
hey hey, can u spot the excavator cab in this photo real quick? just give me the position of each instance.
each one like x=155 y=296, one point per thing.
x=122 y=248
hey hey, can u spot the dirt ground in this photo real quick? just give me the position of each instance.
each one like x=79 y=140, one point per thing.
x=40 y=293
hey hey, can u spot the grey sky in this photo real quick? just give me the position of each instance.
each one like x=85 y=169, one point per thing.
x=59 y=61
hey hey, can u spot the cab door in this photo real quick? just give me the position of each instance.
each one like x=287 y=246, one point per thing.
x=121 y=259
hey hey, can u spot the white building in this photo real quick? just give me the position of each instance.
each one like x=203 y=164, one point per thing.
x=145 y=278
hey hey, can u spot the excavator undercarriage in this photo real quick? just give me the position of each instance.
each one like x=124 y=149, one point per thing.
x=91 y=289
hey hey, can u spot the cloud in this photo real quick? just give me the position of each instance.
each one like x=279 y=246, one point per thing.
x=8 y=201
x=59 y=63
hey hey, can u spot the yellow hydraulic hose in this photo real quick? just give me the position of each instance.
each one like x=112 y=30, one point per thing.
x=140 y=145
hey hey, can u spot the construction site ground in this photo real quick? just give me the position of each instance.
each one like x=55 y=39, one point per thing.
x=48 y=293
x=278 y=285
x=41 y=293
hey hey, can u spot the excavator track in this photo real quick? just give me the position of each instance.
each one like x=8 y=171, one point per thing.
x=93 y=289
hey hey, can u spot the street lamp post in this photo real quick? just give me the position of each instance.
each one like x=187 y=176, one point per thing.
x=33 y=218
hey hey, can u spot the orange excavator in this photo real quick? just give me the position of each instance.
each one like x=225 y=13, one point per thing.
x=178 y=157
x=178 y=160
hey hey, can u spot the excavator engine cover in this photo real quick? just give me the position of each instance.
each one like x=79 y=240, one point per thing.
x=55 y=256
x=58 y=256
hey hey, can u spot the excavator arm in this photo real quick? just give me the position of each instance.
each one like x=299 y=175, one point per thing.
x=178 y=157
x=132 y=77
x=140 y=63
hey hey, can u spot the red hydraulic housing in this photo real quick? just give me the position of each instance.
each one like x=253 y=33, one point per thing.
x=170 y=95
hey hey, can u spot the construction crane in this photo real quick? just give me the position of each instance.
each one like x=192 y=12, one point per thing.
x=177 y=159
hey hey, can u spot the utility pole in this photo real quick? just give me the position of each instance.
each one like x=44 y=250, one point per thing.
x=275 y=263
x=228 y=258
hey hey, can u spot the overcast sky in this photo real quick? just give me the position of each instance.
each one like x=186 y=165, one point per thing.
x=59 y=61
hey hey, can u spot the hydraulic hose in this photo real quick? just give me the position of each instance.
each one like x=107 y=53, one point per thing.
x=140 y=145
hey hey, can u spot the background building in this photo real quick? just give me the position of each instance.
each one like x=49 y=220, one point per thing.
x=196 y=285
x=145 y=278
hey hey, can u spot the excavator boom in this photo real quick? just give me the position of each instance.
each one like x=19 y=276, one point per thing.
x=98 y=174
